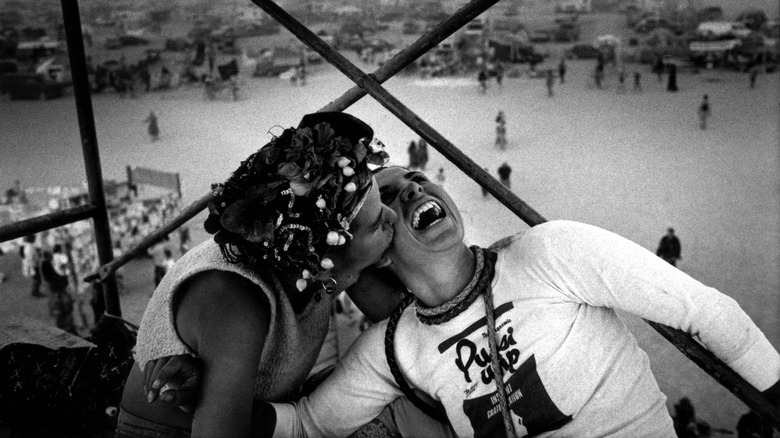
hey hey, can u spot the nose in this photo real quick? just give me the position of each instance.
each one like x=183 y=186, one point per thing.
x=411 y=191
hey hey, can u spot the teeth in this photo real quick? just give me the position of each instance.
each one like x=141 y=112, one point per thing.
x=423 y=208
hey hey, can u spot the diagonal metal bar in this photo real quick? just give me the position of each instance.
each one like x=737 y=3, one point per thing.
x=452 y=153
x=109 y=268
x=418 y=48
x=708 y=362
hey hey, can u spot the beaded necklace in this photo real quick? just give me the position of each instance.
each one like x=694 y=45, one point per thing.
x=454 y=307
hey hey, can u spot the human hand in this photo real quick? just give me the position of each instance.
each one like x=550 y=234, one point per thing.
x=174 y=380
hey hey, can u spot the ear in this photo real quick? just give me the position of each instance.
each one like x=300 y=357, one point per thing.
x=383 y=262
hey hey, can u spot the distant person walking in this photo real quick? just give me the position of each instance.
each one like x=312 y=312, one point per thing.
x=31 y=260
x=158 y=253
x=505 y=173
x=413 y=155
x=621 y=80
x=669 y=248
x=482 y=79
x=422 y=154
x=598 y=75
x=671 y=84
x=234 y=87
x=499 y=74
x=658 y=68
x=60 y=301
x=550 y=81
x=637 y=81
x=704 y=112
x=440 y=177
x=146 y=77
x=562 y=70
x=501 y=131
x=152 y=127
x=753 y=76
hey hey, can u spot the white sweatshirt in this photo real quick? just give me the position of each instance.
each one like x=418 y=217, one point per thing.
x=573 y=369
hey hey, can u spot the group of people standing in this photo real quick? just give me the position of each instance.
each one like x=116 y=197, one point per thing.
x=418 y=154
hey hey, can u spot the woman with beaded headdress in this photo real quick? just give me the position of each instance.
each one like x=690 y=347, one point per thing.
x=295 y=223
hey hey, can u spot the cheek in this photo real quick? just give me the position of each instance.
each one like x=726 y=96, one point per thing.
x=360 y=255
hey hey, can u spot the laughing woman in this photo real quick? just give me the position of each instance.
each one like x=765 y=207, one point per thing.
x=523 y=339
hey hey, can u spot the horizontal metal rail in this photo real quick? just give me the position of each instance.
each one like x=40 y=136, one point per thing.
x=684 y=342
x=46 y=222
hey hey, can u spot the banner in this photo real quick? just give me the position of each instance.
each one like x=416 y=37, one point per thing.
x=166 y=180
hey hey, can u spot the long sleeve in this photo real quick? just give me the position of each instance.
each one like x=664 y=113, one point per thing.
x=354 y=394
x=600 y=268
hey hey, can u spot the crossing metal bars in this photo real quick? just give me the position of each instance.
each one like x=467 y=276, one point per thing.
x=365 y=84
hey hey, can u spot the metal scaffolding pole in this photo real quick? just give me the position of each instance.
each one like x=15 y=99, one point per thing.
x=89 y=146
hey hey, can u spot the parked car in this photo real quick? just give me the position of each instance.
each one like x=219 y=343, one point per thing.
x=541 y=36
x=647 y=25
x=567 y=33
x=583 y=51
x=133 y=40
x=8 y=66
x=178 y=44
x=30 y=86
x=113 y=43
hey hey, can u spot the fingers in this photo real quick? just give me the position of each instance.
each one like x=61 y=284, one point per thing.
x=152 y=379
x=181 y=397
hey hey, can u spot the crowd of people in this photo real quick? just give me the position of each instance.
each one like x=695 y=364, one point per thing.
x=56 y=261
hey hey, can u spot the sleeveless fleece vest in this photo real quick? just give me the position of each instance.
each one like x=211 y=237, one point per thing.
x=293 y=342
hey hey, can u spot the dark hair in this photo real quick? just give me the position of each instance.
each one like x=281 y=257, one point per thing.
x=288 y=203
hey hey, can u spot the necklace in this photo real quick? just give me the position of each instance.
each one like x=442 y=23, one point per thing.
x=483 y=275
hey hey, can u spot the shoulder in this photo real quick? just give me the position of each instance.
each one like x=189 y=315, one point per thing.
x=554 y=237
x=214 y=305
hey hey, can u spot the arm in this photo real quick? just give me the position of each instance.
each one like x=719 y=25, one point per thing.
x=356 y=393
x=600 y=268
x=224 y=319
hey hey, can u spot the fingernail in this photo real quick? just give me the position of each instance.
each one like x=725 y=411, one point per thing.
x=156 y=384
x=150 y=396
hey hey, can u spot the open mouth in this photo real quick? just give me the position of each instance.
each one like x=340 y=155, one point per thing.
x=427 y=215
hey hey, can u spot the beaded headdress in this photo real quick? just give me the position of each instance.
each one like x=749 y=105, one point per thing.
x=291 y=201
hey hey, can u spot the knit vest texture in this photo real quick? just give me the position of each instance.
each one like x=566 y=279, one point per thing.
x=291 y=346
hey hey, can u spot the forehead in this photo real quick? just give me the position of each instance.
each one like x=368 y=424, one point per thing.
x=370 y=208
x=389 y=176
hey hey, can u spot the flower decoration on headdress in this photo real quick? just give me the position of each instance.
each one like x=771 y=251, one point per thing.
x=294 y=199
